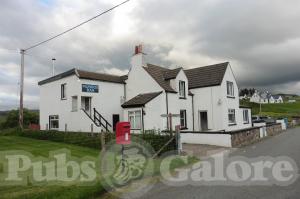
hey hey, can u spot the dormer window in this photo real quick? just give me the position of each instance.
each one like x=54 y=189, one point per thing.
x=182 y=89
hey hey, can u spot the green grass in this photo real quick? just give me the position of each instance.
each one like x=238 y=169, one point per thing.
x=275 y=110
x=42 y=148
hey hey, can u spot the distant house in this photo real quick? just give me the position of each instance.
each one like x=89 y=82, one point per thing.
x=244 y=97
x=291 y=101
x=275 y=99
x=265 y=98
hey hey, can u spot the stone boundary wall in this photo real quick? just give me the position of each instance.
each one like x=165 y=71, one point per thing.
x=245 y=137
x=274 y=129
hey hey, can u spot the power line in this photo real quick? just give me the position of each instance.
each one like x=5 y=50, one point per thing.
x=58 y=35
x=22 y=52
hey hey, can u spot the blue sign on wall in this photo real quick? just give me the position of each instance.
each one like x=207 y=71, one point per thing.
x=88 y=88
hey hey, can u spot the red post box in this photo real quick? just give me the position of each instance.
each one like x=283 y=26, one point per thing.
x=123 y=133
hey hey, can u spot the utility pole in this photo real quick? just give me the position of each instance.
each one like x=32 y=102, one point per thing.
x=21 y=117
x=53 y=71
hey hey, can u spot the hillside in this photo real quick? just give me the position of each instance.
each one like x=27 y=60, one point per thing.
x=275 y=110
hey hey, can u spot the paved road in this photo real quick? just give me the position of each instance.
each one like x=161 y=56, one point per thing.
x=285 y=144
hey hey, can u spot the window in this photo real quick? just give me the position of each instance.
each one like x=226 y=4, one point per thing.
x=182 y=89
x=230 y=89
x=63 y=91
x=54 y=122
x=246 y=116
x=183 y=119
x=231 y=116
x=74 y=103
x=135 y=119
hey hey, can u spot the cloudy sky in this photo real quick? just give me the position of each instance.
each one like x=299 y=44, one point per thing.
x=261 y=39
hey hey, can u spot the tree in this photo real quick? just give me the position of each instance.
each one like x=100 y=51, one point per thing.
x=12 y=119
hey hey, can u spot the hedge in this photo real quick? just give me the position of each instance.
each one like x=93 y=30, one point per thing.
x=93 y=140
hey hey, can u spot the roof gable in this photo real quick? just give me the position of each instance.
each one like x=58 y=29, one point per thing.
x=206 y=76
x=158 y=74
x=140 y=100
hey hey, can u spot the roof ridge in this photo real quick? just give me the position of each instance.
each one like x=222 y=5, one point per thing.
x=86 y=71
x=222 y=63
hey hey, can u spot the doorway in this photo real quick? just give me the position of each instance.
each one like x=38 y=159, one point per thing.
x=86 y=103
x=203 y=121
x=116 y=119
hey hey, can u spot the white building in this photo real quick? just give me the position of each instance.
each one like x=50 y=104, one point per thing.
x=275 y=99
x=265 y=98
x=201 y=99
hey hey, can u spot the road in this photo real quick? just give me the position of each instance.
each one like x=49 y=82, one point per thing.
x=285 y=144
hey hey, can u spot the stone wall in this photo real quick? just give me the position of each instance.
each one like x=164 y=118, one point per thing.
x=274 y=129
x=244 y=137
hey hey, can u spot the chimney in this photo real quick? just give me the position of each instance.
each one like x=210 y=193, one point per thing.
x=138 y=49
x=137 y=59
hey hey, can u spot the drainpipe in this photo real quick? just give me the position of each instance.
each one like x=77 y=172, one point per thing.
x=143 y=121
x=193 y=113
x=125 y=91
x=212 y=109
x=167 y=108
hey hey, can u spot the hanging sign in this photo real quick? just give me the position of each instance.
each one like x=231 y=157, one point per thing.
x=88 y=88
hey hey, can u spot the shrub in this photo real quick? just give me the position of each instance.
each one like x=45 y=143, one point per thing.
x=93 y=140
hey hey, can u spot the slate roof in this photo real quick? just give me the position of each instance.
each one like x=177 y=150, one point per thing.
x=206 y=76
x=171 y=73
x=276 y=96
x=100 y=76
x=140 y=100
x=86 y=75
x=158 y=74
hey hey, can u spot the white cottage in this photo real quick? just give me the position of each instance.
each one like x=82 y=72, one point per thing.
x=265 y=98
x=201 y=99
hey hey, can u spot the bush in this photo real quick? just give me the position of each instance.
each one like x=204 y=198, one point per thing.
x=12 y=118
x=93 y=140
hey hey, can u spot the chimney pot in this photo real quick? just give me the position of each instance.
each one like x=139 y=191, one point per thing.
x=138 y=49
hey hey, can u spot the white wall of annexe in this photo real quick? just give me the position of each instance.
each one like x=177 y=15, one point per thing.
x=107 y=102
x=223 y=140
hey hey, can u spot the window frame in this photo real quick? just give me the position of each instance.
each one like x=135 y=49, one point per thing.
x=234 y=115
x=133 y=114
x=181 y=91
x=63 y=91
x=247 y=121
x=184 y=119
x=230 y=89
x=53 y=119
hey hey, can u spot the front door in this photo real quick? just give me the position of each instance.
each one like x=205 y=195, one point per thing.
x=203 y=120
x=116 y=119
x=86 y=103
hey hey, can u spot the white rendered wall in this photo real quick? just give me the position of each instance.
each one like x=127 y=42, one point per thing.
x=107 y=102
x=208 y=99
x=139 y=80
x=223 y=140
